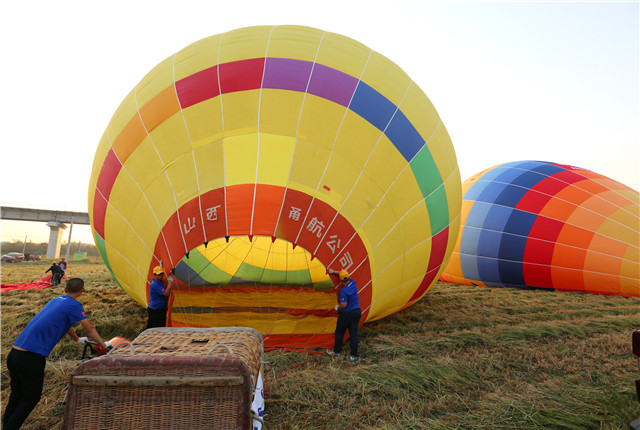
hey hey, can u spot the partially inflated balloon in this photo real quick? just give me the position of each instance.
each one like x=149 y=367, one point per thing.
x=546 y=225
x=252 y=161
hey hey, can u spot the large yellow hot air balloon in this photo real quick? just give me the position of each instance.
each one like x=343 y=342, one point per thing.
x=251 y=161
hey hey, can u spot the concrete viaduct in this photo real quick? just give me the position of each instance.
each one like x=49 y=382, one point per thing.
x=56 y=220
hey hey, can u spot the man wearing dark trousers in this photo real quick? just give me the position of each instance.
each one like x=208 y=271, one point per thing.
x=27 y=359
x=349 y=314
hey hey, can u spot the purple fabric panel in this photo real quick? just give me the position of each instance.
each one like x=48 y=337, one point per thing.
x=286 y=74
x=332 y=84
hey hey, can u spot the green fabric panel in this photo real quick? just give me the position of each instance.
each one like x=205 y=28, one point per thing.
x=438 y=209
x=268 y=276
x=103 y=253
x=205 y=269
x=426 y=172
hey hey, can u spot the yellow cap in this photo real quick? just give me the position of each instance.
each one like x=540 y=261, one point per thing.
x=344 y=275
x=158 y=270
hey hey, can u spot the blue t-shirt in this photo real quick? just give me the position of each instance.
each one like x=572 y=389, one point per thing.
x=46 y=329
x=349 y=294
x=156 y=299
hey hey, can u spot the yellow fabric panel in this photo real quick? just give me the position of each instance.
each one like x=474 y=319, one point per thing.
x=344 y=54
x=183 y=179
x=156 y=81
x=320 y=121
x=146 y=225
x=620 y=225
x=276 y=153
x=240 y=154
x=360 y=206
x=144 y=164
x=204 y=122
x=385 y=165
x=404 y=193
x=419 y=110
x=241 y=297
x=634 y=196
x=356 y=139
x=128 y=281
x=160 y=195
x=240 y=112
x=210 y=165
x=235 y=46
x=196 y=57
x=280 y=111
x=414 y=228
x=296 y=42
x=230 y=260
x=614 y=227
x=308 y=173
x=101 y=154
x=120 y=119
x=171 y=139
x=264 y=323
x=386 y=77
x=446 y=162
x=630 y=271
x=400 y=281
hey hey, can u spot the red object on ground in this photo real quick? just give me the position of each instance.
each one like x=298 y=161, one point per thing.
x=39 y=284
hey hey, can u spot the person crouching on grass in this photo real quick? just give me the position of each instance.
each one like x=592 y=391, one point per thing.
x=27 y=359
x=158 y=294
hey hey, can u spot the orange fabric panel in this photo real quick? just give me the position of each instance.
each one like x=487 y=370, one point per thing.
x=160 y=108
x=266 y=209
x=575 y=236
x=129 y=139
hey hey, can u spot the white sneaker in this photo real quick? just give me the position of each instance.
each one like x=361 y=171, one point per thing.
x=332 y=353
x=353 y=358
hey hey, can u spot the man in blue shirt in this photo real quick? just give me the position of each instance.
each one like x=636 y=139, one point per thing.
x=27 y=359
x=349 y=314
x=158 y=293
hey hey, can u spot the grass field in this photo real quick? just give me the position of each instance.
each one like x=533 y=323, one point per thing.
x=461 y=358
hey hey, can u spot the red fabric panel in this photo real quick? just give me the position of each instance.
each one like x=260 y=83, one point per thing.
x=438 y=250
x=294 y=210
x=241 y=75
x=198 y=87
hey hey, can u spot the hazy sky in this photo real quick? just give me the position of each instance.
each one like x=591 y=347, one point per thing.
x=511 y=80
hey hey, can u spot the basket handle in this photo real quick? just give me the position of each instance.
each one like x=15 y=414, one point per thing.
x=120 y=345
x=229 y=350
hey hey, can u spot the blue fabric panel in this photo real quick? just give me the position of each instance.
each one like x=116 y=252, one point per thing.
x=469 y=240
x=469 y=266
x=528 y=179
x=512 y=247
x=488 y=270
x=510 y=196
x=372 y=106
x=474 y=191
x=491 y=192
x=477 y=215
x=497 y=217
x=520 y=223
x=548 y=169
x=489 y=243
x=509 y=175
x=511 y=273
x=404 y=136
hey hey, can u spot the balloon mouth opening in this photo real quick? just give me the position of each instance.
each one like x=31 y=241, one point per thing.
x=242 y=261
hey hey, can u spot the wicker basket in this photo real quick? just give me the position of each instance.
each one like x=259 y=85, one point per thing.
x=169 y=378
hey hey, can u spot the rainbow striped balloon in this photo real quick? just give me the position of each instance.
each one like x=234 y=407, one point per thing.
x=251 y=161
x=547 y=225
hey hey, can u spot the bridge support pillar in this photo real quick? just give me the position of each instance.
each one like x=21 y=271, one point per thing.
x=55 y=238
